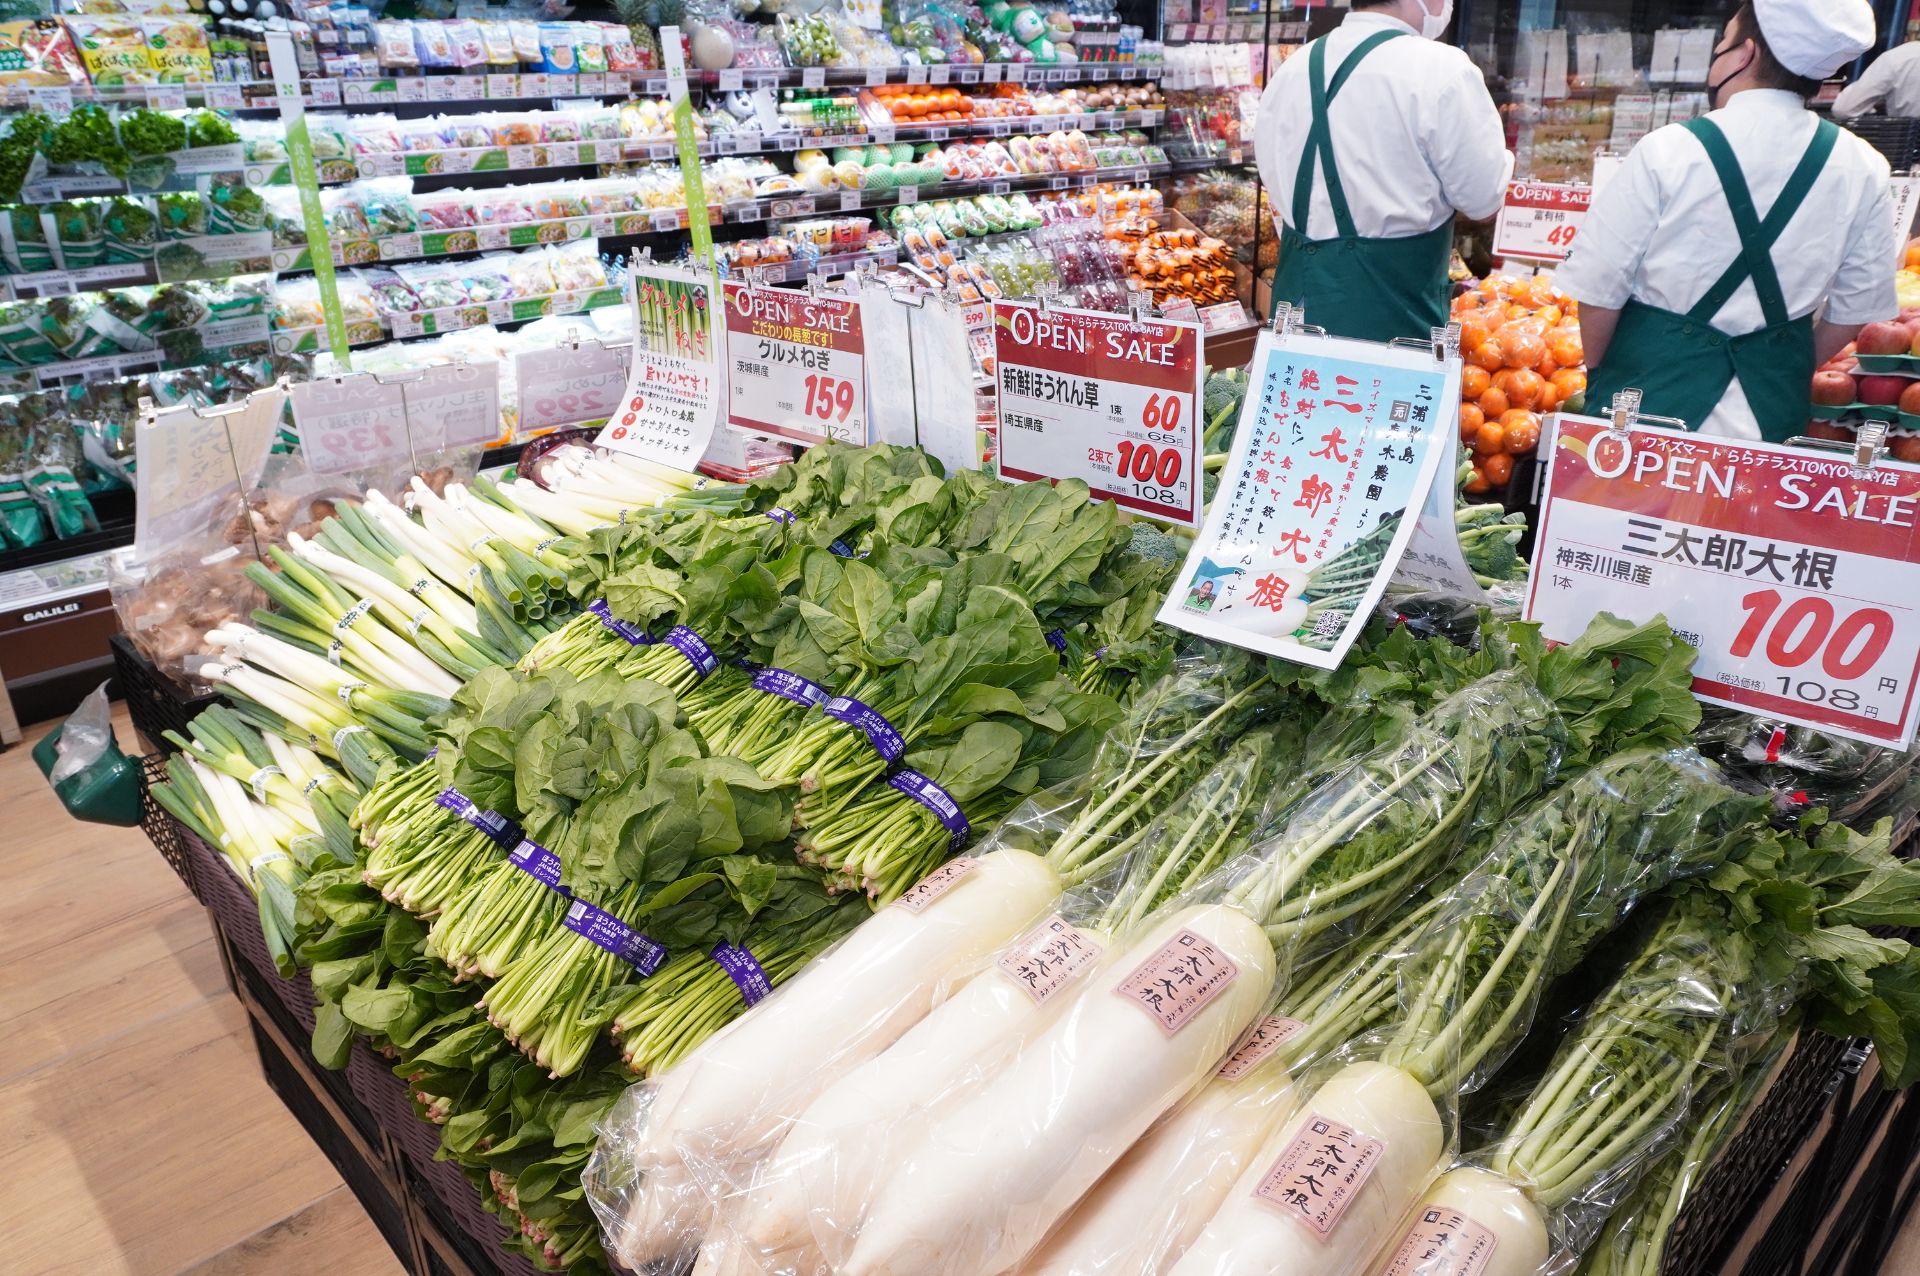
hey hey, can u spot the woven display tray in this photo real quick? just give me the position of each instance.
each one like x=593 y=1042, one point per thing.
x=154 y=702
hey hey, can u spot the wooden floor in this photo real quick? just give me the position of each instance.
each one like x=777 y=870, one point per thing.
x=137 y=1137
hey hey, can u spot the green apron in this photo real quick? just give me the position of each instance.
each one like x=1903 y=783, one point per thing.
x=1374 y=289
x=1681 y=363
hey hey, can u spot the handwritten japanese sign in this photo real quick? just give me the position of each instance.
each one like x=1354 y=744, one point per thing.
x=1337 y=447
x=359 y=421
x=574 y=383
x=1443 y=1242
x=672 y=396
x=1320 y=1172
x=1178 y=980
x=935 y=884
x=1796 y=575
x=1094 y=396
x=796 y=365
x=1049 y=957
x=1266 y=1036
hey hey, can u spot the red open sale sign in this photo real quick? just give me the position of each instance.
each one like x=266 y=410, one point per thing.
x=1539 y=220
x=1796 y=573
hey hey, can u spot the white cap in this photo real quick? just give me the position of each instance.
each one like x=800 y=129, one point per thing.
x=1815 y=38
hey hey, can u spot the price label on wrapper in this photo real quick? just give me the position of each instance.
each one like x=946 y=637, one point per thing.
x=796 y=365
x=671 y=399
x=1337 y=447
x=1796 y=574
x=1097 y=397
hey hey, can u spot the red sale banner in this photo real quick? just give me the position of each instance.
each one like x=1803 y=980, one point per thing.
x=1796 y=574
x=1539 y=220
x=796 y=364
x=1095 y=396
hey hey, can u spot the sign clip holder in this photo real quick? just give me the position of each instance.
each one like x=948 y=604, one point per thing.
x=1869 y=444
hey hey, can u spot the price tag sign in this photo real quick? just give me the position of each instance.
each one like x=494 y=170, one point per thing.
x=1903 y=193
x=849 y=201
x=169 y=97
x=990 y=73
x=916 y=73
x=876 y=75
x=1539 y=220
x=939 y=73
x=908 y=194
x=813 y=77
x=1329 y=468
x=455 y=405
x=1220 y=318
x=191 y=467
x=732 y=80
x=350 y=423
x=56 y=101
x=569 y=385
x=1090 y=395
x=412 y=88
x=796 y=365
x=671 y=399
x=503 y=86
x=1795 y=574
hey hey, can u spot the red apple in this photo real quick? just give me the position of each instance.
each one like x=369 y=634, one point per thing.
x=1910 y=398
x=1906 y=448
x=1885 y=338
x=1885 y=390
x=1915 y=347
x=1909 y=315
x=1829 y=430
x=1834 y=389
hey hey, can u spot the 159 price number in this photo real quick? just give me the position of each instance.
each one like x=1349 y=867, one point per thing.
x=1847 y=646
x=825 y=395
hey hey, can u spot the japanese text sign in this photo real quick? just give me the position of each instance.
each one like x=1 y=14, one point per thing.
x=1049 y=957
x=1178 y=980
x=1795 y=574
x=1320 y=1172
x=1337 y=446
x=358 y=420
x=1097 y=397
x=575 y=383
x=796 y=365
x=1443 y=1242
x=672 y=396
x=1539 y=220
x=193 y=466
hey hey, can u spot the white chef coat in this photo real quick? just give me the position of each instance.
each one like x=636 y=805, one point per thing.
x=1415 y=135
x=1894 y=78
x=1661 y=231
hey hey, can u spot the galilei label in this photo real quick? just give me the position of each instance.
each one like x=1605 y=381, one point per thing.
x=1049 y=957
x=1266 y=1037
x=1178 y=980
x=937 y=883
x=1320 y=1173
x=1443 y=1242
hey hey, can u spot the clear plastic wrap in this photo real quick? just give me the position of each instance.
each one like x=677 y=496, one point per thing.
x=727 y=1103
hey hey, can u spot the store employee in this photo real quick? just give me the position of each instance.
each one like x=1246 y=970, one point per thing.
x=1703 y=264
x=1368 y=140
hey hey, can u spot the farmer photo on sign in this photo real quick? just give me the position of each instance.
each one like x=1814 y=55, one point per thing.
x=1204 y=590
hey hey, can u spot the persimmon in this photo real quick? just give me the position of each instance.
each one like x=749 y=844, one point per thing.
x=1489 y=439
x=1493 y=403
x=1564 y=344
x=1477 y=484
x=1569 y=382
x=1471 y=419
x=1497 y=469
x=1474 y=381
x=1522 y=430
x=1489 y=354
x=1522 y=349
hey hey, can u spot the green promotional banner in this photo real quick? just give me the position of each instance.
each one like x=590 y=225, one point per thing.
x=306 y=180
x=689 y=149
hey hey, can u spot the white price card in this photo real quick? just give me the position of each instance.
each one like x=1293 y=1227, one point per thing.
x=796 y=365
x=57 y=100
x=412 y=88
x=225 y=97
x=1795 y=574
x=192 y=464
x=1903 y=201
x=1337 y=445
x=454 y=405
x=813 y=77
x=324 y=92
x=1539 y=220
x=167 y=97
x=1093 y=396
x=672 y=396
x=350 y=422
x=575 y=383
x=939 y=73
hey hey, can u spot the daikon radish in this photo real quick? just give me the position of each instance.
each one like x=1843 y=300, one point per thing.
x=666 y=1216
x=830 y=1159
x=1255 y=1234
x=993 y=1176
x=1466 y=1214
x=843 y=1009
x=1148 y=1209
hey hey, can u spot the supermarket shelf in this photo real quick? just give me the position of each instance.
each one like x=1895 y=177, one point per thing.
x=424 y=323
x=375 y=94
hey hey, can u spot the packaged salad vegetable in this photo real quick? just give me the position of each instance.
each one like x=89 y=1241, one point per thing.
x=38 y=52
x=444 y=210
x=556 y=49
x=576 y=266
x=373 y=135
x=469 y=45
x=531 y=272
x=393 y=44
x=498 y=38
x=345 y=218
x=114 y=50
x=391 y=296
x=177 y=47
x=488 y=279
x=388 y=204
x=437 y=284
x=617 y=42
x=433 y=44
x=526 y=40
x=589 y=53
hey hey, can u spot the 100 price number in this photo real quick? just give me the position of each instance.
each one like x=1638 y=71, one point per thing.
x=1848 y=647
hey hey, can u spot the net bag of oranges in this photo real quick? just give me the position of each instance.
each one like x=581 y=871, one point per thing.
x=1520 y=343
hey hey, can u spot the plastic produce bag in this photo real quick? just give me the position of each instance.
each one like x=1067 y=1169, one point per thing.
x=94 y=780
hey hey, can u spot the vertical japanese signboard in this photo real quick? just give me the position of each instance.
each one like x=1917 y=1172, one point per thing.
x=1337 y=446
x=1095 y=396
x=672 y=396
x=796 y=365
x=1796 y=574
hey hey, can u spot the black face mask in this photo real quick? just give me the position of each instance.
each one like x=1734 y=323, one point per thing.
x=1713 y=90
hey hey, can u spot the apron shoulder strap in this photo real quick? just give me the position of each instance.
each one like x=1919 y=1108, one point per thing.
x=1320 y=136
x=1757 y=236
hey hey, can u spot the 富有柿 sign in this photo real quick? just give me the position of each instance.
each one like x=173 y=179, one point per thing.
x=1337 y=446
x=1794 y=572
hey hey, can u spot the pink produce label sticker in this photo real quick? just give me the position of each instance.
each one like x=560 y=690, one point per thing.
x=1443 y=1242
x=1049 y=957
x=1261 y=1042
x=1320 y=1173
x=937 y=883
x=1178 y=981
